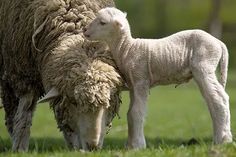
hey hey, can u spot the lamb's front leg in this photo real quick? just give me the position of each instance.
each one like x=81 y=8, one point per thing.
x=136 y=115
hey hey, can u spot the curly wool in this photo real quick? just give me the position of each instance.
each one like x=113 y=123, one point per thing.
x=42 y=48
x=88 y=73
x=84 y=65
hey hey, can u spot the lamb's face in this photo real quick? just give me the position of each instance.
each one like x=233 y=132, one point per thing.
x=108 y=24
x=101 y=28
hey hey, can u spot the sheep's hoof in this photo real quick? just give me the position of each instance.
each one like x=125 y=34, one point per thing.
x=20 y=149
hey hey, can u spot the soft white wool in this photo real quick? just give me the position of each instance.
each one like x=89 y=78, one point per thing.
x=172 y=60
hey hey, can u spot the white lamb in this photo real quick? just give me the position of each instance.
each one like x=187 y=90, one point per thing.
x=176 y=59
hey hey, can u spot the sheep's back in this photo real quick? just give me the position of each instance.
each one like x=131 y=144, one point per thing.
x=30 y=29
x=19 y=61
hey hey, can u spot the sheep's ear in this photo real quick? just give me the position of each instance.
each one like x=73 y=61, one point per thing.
x=52 y=94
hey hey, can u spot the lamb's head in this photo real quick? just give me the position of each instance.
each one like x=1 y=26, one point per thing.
x=109 y=23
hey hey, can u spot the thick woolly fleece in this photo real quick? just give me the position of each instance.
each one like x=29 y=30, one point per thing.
x=42 y=47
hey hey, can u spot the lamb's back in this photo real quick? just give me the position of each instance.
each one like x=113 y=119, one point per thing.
x=168 y=58
x=171 y=56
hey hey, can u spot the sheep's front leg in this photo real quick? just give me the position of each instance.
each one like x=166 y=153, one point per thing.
x=23 y=121
x=136 y=114
x=10 y=104
x=66 y=118
x=72 y=139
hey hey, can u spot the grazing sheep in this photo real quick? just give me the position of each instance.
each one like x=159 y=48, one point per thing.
x=43 y=50
x=176 y=59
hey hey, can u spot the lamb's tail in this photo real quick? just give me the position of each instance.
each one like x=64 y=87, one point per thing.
x=224 y=65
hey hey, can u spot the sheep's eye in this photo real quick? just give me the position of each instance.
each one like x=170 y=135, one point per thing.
x=102 y=23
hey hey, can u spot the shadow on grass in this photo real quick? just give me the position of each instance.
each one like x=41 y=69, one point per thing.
x=41 y=145
x=37 y=145
x=152 y=143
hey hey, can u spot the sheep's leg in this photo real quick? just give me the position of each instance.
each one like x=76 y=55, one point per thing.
x=10 y=103
x=23 y=121
x=218 y=104
x=136 y=115
x=67 y=124
x=72 y=139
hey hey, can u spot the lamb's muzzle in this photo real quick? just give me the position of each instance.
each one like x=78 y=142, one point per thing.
x=85 y=32
x=175 y=59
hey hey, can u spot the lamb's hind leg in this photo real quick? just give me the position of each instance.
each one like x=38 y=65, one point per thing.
x=136 y=114
x=23 y=121
x=218 y=104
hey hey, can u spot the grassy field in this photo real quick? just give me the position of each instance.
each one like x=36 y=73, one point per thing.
x=174 y=117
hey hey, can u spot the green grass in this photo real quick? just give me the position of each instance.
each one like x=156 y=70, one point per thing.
x=174 y=116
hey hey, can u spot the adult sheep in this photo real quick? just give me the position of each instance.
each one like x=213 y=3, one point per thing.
x=175 y=59
x=43 y=50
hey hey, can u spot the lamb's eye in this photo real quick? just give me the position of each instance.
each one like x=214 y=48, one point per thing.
x=102 y=23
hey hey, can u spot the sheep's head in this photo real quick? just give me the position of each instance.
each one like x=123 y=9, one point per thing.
x=98 y=101
x=88 y=97
x=91 y=123
x=109 y=22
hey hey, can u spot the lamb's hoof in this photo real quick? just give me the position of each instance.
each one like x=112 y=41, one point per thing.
x=226 y=139
x=135 y=145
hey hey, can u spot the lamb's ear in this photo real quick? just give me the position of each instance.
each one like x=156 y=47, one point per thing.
x=52 y=94
x=118 y=23
x=125 y=14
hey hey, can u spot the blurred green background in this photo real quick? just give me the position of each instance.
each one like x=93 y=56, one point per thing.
x=159 y=18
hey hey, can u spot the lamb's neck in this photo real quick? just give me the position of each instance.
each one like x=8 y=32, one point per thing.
x=120 y=47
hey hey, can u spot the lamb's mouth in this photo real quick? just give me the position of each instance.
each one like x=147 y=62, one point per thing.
x=86 y=34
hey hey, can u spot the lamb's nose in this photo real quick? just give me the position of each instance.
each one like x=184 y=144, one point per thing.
x=86 y=34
